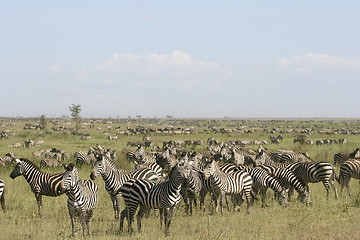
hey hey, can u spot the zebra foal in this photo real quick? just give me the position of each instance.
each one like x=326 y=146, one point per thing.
x=82 y=197
x=40 y=183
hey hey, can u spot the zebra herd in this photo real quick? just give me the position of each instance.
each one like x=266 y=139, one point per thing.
x=161 y=179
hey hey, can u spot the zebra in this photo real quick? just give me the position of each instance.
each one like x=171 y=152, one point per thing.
x=114 y=178
x=341 y=157
x=316 y=172
x=84 y=157
x=190 y=189
x=262 y=180
x=49 y=162
x=82 y=197
x=2 y=195
x=151 y=195
x=227 y=183
x=40 y=183
x=291 y=157
x=264 y=158
x=290 y=181
x=349 y=169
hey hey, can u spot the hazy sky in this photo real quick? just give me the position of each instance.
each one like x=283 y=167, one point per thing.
x=180 y=58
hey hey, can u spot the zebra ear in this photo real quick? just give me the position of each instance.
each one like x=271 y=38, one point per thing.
x=17 y=161
x=64 y=166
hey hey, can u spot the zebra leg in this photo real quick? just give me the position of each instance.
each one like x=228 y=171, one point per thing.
x=168 y=217
x=327 y=187
x=82 y=222
x=203 y=193
x=248 y=199
x=88 y=217
x=124 y=214
x=140 y=214
x=263 y=196
x=222 y=196
x=39 y=203
x=72 y=218
x=116 y=205
x=332 y=184
x=161 y=216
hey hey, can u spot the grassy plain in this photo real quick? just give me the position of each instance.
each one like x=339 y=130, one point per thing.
x=322 y=220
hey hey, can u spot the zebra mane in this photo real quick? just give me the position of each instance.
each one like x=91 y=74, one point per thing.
x=28 y=162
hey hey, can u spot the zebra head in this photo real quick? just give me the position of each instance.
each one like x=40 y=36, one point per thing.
x=19 y=168
x=282 y=197
x=260 y=158
x=70 y=178
x=209 y=167
x=99 y=167
x=305 y=198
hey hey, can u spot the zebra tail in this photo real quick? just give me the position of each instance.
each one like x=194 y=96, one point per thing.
x=338 y=179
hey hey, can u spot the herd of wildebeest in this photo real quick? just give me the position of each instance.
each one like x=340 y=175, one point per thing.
x=231 y=171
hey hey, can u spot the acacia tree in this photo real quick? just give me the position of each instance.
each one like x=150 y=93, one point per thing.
x=43 y=122
x=75 y=114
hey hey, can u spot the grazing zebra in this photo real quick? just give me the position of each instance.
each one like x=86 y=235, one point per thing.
x=150 y=195
x=114 y=178
x=341 y=157
x=349 y=169
x=49 y=162
x=265 y=159
x=2 y=195
x=82 y=197
x=316 y=172
x=262 y=180
x=40 y=183
x=227 y=183
x=290 y=181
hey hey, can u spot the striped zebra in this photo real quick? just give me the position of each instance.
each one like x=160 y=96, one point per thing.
x=150 y=195
x=84 y=157
x=349 y=169
x=49 y=162
x=341 y=157
x=288 y=156
x=190 y=190
x=40 y=183
x=290 y=181
x=223 y=184
x=82 y=197
x=263 y=158
x=262 y=180
x=114 y=178
x=2 y=195
x=316 y=172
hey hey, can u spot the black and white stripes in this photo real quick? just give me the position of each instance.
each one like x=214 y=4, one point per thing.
x=82 y=197
x=40 y=183
x=150 y=195
x=114 y=178
x=2 y=195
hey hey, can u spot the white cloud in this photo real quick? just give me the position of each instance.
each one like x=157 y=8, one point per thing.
x=177 y=63
x=311 y=62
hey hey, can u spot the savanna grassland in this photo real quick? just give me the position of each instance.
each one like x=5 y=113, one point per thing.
x=333 y=219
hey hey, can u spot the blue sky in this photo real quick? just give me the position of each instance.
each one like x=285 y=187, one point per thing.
x=181 y=58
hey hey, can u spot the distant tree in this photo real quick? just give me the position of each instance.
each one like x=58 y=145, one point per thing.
x=138 y=116
x=300 y=138
x=75 y=114
x=43 y=122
